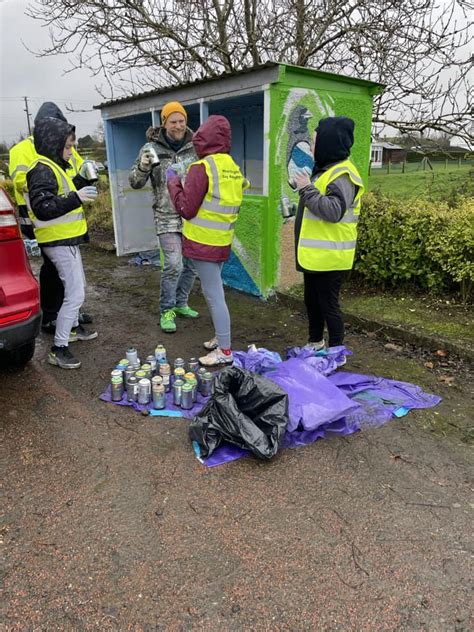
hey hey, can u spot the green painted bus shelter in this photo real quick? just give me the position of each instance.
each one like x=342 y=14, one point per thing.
x=273 y=110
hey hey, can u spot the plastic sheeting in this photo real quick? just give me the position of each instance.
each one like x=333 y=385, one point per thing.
x=321 y=399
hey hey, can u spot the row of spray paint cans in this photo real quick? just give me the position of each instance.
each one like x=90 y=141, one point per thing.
x=150 y=381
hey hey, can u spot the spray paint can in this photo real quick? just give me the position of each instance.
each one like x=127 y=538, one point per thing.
x=116 y=384
x=132 y=355
x=132 y=389
x=207 y=382
x=160 y=354
x=147 y=368
x=199 y=375
x=193 y=365
x=179 y=373
x=187 y=396
x=194 y=384
x=155 y=380
x=179 y=363
x=140 y=374
x=177 y=386
x=159 y=397
x=165 y=371
x=151 y=360
x=144 y=391
x=149 y=149
x=122 y=366
x=128 y=373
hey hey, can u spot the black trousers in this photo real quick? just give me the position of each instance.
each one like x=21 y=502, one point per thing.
x=321 y=297
x=51 y=290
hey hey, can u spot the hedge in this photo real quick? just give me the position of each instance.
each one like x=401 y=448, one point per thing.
x=419 y=243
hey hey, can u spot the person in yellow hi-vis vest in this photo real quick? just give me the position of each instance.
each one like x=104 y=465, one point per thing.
x=209 y=202
x=55 y=209
x=21 y=156
x=326 y=228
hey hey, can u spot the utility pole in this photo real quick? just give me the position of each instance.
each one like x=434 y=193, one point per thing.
x=27 y=115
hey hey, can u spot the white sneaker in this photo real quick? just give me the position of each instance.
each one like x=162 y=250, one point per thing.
x=210 y=345
x=315 y=346
x=216 y=358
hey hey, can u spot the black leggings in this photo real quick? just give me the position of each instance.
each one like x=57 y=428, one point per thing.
x=321 y=297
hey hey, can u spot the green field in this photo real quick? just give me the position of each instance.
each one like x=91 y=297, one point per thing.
x=439 y=184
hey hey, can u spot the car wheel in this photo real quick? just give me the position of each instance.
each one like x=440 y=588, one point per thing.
x=20 y=356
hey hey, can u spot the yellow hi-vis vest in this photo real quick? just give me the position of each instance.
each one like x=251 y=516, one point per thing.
x=214 y=223
x=322 y=245
x=68 y=226
x=21 y=156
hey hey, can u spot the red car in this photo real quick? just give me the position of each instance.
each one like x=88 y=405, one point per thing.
x=20 y=313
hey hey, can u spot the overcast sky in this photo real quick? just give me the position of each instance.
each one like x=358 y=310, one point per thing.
x=40 y=79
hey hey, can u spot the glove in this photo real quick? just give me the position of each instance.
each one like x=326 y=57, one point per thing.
x=170 y=173
x=87 y=194
x=146 y=160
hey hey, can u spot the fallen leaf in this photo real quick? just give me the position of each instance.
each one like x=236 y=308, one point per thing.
x=446 y=379
x=429 y=365
x=392 y=347
x=441 y=353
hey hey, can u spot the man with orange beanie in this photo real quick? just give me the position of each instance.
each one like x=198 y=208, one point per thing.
x=173 y=148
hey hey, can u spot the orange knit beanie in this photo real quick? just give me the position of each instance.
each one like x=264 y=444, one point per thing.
x=169 y=108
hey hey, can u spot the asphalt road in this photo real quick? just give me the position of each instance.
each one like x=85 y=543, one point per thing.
x=110 y=522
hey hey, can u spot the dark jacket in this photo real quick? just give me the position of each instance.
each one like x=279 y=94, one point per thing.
x=50 y=135
x=213 y=137
x=334 y=139
x=166 y=218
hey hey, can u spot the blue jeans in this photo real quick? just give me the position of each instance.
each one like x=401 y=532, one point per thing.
x=177 y=274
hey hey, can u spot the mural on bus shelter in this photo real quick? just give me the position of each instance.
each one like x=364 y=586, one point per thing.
x=301 y=112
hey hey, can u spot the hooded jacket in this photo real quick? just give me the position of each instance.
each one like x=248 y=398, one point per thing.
x=167 y=219
x=214 y=136
x=334 y=139
x=50 y=135
x=23 y=154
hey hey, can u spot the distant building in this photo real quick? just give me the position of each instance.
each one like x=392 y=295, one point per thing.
x=382 y=152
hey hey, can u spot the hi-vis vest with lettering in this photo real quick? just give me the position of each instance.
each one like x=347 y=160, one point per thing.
x=68 y=226
x=322 y=245
x=21 y=156
x=214 y=223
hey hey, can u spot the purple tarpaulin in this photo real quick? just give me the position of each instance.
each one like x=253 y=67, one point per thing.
x=321 y=399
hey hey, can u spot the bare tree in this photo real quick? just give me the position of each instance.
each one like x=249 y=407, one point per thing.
x=418 y=48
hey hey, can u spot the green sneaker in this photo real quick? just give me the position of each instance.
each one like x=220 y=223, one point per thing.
x=167 y=323
x=186 y=311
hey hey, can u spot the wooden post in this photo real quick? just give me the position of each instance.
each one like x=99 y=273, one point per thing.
x=389 y=164
x=445 y=163
x=459 y=161
x=403 y=166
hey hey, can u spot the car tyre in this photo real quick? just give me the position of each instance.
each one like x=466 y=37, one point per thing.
x=16 y=358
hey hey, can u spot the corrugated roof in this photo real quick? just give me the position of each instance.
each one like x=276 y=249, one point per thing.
x=194 y=82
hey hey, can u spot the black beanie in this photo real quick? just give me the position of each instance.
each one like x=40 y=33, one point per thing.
x=335 y=137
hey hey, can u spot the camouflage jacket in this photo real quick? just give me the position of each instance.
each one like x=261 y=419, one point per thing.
x=166 y=218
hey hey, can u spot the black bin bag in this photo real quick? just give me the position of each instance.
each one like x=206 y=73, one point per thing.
x=247 y=410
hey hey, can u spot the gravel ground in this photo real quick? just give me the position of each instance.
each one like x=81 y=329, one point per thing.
x=110 y=522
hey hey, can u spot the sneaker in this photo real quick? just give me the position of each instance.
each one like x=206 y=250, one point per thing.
x=210 y=345
x=216 y=358
x=167 y=321
x=186 y=311
x=49 y=328
x=80 y=333
x=315 y=346
x=85 y=319
x=63 y=358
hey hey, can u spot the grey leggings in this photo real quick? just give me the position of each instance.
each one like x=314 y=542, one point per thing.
x=213 y=289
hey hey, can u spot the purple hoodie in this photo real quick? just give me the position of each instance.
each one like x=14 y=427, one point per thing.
x=213 y=137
